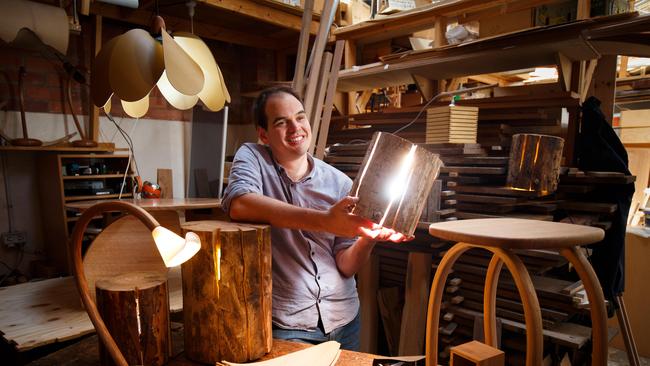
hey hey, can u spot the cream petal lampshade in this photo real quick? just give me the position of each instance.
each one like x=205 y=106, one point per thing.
x=183 y=73
x=183 y=68
x=173 y=249
x=213 y=94
x=138 y=108
x=135 y=66
x=173 y=96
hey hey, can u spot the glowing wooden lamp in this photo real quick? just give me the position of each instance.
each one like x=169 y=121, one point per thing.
x=173 y=249
x=394 y=182
x=534 y=163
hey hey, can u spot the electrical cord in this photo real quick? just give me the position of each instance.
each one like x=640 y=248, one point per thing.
x=127 y=138
x=129 y=142
x=442 y=95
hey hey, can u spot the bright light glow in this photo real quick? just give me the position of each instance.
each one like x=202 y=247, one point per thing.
x=173 y=249
x=542 y=73
x=397 y=187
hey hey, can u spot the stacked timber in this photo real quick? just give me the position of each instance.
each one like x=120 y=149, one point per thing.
x=451 y=124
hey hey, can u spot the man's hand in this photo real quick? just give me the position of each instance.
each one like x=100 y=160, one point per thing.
x=342 y=222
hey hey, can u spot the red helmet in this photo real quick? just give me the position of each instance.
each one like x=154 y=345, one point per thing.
x=150 y=190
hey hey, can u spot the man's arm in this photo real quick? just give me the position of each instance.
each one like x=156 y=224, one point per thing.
x=351 y=259
x=337 y=220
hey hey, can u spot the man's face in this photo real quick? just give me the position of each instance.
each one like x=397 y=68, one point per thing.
x=288 y=132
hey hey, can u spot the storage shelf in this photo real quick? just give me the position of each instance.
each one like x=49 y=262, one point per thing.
x=99 y=176
x=96 y=197
x=103 y=147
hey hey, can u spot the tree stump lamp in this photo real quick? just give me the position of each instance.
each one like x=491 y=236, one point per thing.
x=173 y=249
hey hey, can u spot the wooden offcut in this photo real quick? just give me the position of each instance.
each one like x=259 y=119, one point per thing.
x=476 y=354
x=456 y=124
x=135 y=308
x=227 y=292
x=535 y=163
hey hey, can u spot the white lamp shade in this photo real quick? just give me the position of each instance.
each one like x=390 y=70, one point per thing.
x=173 y=249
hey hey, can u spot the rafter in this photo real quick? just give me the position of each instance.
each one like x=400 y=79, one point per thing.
x=264 y=13
x=209 y=31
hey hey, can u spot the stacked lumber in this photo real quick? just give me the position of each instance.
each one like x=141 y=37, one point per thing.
x=453 y=124
x=479 y=184
x=498 y=119
x=582 y=196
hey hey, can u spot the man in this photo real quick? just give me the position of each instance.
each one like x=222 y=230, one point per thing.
x=315 y=255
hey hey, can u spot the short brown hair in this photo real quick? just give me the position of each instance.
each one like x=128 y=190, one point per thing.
x=259 y=105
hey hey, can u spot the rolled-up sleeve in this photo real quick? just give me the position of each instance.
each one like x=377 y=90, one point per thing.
x=245 y=177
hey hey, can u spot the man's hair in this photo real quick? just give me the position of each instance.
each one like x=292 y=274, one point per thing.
x=259 y=105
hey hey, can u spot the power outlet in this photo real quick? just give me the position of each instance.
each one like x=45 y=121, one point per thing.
x=13 y=239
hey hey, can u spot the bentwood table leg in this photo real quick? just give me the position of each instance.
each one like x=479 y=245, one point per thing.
x=489 y=301
x=596 y=303
x=435 y=299
x=532 y=311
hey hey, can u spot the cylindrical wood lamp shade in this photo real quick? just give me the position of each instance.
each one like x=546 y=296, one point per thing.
x=535 y=163
x=135 y=308
x=394 y=182
x=227 y=293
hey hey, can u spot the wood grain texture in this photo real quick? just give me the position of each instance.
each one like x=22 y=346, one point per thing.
x=535 y=163
x=517 y=233
x=381 y=169
x=227 y=292
x=135 y=308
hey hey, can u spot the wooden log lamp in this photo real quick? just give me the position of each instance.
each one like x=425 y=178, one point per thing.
x=534 y=163
x=227 y=293
x=394 y=182
x=173 y=249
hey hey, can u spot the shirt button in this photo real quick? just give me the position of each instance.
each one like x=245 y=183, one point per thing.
x=320 y=301
x=312 y=253
x=318 y=278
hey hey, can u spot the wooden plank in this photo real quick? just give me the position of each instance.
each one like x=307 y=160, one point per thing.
x=414 y=315
x=329 y=98
x=165 y=181
x=390 y=309
x=317 y=107
x=316 y=56
x=368 y=284
x=303 y=47
x=93 y=119
x=473 y=170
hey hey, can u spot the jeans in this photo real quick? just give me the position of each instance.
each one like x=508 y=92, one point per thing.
x=347 y=335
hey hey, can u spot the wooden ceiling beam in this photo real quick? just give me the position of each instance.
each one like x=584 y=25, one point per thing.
x=264 y=13
x=203 y=30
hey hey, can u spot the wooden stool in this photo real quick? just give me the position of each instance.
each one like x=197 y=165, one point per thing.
x=500 y=236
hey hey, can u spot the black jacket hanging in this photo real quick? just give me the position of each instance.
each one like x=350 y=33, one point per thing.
x=600 y=149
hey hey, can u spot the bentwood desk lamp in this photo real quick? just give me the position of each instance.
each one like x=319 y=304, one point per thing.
x=173 y=249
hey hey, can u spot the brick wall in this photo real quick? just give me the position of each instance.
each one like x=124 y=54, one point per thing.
x=44 y=82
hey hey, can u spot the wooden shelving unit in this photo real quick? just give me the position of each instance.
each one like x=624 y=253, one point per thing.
x=65 y=177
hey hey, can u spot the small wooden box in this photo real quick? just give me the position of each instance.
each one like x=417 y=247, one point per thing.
x=452 y=124
x=475 y=353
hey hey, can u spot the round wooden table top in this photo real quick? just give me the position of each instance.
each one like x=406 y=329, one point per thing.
x=516 y=233
x=154 y=204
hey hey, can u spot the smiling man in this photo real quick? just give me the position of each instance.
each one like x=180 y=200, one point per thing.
x=317 y=244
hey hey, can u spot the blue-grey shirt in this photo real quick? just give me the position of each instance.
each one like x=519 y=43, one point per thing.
x=306 y=281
